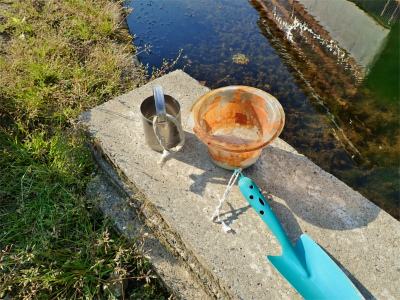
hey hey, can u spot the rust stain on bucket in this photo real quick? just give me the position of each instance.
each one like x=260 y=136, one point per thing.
x=236 y=160
x=236 y=122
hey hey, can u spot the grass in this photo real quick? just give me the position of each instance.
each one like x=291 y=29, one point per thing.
x=59 y=58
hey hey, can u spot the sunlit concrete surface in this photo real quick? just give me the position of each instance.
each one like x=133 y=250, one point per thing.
x=178 y=200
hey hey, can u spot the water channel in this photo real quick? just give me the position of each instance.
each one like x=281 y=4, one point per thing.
x=336 y=74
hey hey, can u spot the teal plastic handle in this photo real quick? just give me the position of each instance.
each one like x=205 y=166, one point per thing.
x=306 y=267
x=253 y=195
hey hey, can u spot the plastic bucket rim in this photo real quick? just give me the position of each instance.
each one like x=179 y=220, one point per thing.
x=236 y=148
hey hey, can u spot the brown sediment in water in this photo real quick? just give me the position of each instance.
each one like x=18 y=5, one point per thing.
x=363 y=122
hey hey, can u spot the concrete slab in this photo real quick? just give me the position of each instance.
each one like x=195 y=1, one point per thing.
x=182 y=196
x=114 y=200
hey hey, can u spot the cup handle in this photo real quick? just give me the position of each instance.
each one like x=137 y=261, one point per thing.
x=160 y=103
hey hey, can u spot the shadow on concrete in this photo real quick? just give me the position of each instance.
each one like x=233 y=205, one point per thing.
x=294 y=232
x=309 y=192
x=233 y=214
x=361 y=288
x=289 y=222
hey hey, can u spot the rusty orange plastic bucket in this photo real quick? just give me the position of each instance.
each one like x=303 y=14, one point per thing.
x=236 y=122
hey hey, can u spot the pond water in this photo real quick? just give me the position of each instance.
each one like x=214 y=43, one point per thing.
x=341 y=102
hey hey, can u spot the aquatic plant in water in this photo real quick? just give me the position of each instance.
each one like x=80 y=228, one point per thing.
x=240 y=59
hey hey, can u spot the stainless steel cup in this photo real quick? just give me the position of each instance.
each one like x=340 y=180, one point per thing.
x=167 y=129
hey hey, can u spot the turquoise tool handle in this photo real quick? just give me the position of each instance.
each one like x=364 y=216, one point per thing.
x=253 y=195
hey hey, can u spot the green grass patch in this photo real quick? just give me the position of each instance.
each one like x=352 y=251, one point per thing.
x=59 y=58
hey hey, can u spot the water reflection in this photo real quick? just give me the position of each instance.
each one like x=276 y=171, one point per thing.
x=331 y=66
x=352 y=35
x=337 y=112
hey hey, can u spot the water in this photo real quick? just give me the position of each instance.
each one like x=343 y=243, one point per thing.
x=238 y=135
x=341 y=103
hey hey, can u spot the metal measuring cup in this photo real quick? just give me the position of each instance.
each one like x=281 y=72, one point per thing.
x=163 y=107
